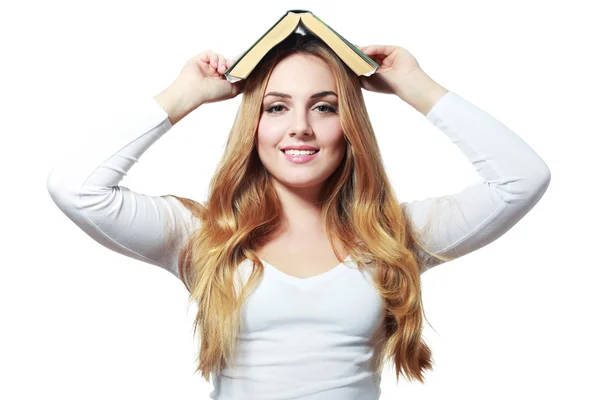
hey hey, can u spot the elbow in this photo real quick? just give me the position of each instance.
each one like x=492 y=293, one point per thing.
x=547 y=175
x=539 y=184
x=543 y=178
x=545 y=183
x=62 y=190
x=538 y=179
x=56 y=189
x=56 y=182
x=52 y=183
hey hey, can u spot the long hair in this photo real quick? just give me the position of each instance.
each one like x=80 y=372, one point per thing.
x=358 y=205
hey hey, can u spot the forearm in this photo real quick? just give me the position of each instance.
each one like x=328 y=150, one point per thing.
x=175 y=102
x=420 y=91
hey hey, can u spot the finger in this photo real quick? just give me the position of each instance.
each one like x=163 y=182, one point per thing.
x=204 y=56
x=214 y=60
x=239 y=86
x=209 y=57
x=379 y=49
x=221 y=65
x=229 y=62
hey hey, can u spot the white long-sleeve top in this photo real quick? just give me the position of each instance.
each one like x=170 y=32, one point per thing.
x=301 y=338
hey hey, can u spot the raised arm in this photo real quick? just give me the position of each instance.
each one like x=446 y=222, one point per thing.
x=514 y=176
x=514 y=180
x=85 y=186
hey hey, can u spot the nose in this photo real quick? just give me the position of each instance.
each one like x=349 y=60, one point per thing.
x=300 y=124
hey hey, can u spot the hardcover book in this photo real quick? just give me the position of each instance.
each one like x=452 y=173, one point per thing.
x=302 y=22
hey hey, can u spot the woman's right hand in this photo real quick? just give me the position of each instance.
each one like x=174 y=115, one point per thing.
x=203 y=79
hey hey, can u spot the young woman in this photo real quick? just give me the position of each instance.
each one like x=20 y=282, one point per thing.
x=304 y=265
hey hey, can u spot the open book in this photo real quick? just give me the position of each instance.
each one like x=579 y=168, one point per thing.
x=303 y=22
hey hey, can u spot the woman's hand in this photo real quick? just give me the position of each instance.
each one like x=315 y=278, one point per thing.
x=400 y=74
x=396 y=66
x=200 y=81
x=203 y=81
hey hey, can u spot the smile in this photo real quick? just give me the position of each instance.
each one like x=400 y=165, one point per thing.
x=300 y=159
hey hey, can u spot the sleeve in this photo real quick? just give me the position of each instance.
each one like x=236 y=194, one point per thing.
x=84 y=186
x=514 y=180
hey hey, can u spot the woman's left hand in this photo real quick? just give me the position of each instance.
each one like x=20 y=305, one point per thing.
x=396 y=65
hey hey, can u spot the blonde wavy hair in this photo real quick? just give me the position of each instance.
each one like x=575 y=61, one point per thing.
x=357 y=203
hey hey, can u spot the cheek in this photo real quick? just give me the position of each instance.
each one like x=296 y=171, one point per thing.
x=268 y=134
x=333 y=136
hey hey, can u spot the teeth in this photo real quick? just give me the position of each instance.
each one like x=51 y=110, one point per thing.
x=300 y=152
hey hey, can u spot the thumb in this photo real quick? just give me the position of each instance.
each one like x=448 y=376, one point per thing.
x=238 y=87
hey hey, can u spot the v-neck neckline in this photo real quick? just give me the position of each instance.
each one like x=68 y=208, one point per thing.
x=311 y=279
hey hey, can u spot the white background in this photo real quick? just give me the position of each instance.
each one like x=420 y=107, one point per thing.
x=517 y=319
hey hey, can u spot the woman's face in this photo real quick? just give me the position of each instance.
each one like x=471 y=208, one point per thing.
x=297 y=111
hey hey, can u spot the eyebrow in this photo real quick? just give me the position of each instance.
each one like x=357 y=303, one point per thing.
x=287 y=96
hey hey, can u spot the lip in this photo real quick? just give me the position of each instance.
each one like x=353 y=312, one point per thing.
x=299 y=147
x=300 y=159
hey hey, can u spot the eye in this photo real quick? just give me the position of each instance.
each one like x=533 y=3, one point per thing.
x=271 y=111
x=329 y=109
